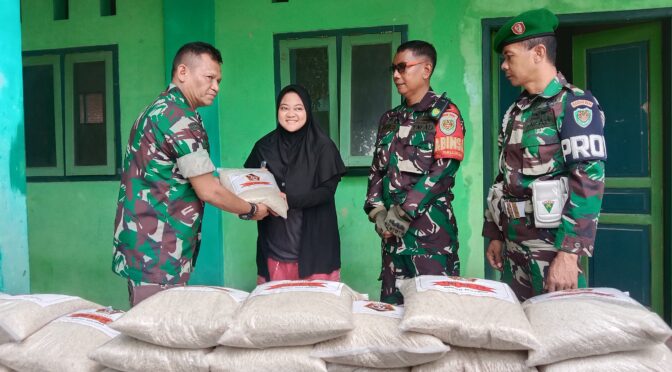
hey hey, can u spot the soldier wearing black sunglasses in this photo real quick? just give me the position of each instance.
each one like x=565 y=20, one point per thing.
x=419 y=147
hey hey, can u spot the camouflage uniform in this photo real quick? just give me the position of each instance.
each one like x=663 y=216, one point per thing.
x=534 y=132
x=406 y=171
x=158 y=221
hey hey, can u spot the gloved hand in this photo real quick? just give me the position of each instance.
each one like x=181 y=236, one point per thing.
x=397 y=221
x=379 y=219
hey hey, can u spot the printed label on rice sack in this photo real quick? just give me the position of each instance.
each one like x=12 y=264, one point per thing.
x=96 y=318
x=236 y=294
x=465 y=286
x=42 y=300
x=249 y=179
x=590 y=293
x=282 y=286
x=377 y=308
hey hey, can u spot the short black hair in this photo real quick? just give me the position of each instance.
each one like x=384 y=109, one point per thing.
x=420 y=48
x=547 y=41
x=196 y=48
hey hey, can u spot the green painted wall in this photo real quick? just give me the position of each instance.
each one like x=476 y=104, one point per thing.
x=245 y=35
x=70 y=224
x=14 y=274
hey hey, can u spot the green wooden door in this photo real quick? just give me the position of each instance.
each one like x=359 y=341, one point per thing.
x=622 y=67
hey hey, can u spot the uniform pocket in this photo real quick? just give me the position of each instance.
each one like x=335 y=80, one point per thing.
x=419 y=153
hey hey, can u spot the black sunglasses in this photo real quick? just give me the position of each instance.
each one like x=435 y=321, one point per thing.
x=402 y=66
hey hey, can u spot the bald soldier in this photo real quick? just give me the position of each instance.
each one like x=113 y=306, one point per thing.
x=544 y=205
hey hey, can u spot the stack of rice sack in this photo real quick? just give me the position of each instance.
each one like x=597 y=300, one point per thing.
x=173 y=330
x=46 y=332
x=596 y=329
x=481 y=320
x=278 y=324
x=377 y=343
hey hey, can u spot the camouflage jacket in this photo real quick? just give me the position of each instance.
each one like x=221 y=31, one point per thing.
x=535 y=131
x=407 y=170
x=158 y=221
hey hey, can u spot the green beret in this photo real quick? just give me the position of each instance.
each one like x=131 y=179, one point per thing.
x=533 y=23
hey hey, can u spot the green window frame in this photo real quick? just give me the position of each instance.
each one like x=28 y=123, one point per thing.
x=63 y=62
x=71 y=169
x=286 y=47
x=55 y=62
x=394 y=39
x=339 y=45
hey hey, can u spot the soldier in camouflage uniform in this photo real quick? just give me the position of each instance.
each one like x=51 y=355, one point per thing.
x=418 y=151
x=167 y=177
x=554 y=131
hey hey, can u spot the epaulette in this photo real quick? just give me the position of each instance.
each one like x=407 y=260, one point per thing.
x=439 y=106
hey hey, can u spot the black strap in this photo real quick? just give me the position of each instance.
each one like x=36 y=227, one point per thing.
x=439 y=107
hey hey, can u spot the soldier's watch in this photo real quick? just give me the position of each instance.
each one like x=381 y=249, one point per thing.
x=249 y=215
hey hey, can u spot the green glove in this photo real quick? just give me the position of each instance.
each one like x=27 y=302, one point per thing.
x=397 y=221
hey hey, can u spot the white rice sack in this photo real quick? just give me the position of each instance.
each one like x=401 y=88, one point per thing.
x=21 y=316
x=192 y=317
x=378 y=342
x=289 y=359
x=62 y=345
x=255 y=186
x=291 y=313
x=331 y=367
x=653 y=359
x=466 y=312
x=125 y=353
x=478 y=360
x=591 y=321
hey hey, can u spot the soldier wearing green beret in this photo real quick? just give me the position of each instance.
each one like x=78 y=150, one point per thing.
x=544 y=205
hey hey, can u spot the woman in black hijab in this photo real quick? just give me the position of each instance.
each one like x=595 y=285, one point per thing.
x=308 y=167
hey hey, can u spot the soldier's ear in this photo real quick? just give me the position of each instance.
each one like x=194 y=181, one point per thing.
x=539 y=51
x=427 y=70
x=181 y=72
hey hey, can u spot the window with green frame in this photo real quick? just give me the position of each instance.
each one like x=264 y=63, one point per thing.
x=347 y=75
x=70 y=113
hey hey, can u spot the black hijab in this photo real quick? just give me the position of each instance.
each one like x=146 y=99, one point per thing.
x=300 y=160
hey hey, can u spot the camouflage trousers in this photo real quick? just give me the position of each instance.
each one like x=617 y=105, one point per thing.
x=404 y=266
x=527 y=256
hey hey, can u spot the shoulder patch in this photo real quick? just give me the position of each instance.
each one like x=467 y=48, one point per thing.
x=448 y=123
x=449 y=139
x=582 y=131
